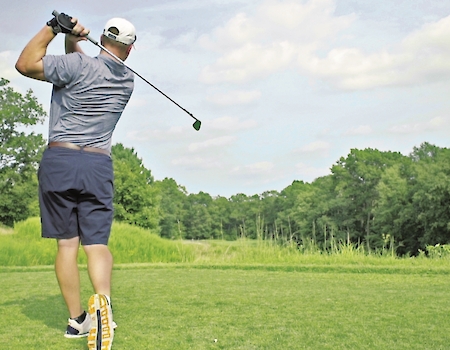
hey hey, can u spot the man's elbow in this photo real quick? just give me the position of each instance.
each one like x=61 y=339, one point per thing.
x=34 y=71
x=24 y=68
x=21 y=67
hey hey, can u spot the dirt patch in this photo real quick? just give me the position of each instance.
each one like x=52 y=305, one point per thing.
x=6 y=231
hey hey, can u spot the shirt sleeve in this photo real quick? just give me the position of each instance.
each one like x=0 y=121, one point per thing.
x=62 y=70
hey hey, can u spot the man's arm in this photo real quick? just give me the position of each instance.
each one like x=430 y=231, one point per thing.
x=71 y=43
x=30 y=61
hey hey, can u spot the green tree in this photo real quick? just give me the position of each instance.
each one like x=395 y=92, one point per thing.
x=425 y=152
x=356 y=178
x=220 y=216
x=431 y=198
x=197 y=220
x=136 y=199
x=289 y=218
x=172 y=211
x=245 y=213
x=414 y=200
x=19 y=153
x=308 y=216
x=396 y=219
x=271 y=205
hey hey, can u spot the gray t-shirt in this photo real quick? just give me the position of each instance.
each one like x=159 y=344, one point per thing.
x=89 y=96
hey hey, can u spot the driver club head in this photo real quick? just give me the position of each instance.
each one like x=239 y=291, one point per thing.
x=197 y=125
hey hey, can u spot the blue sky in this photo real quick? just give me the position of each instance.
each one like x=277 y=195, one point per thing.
x=283 y=88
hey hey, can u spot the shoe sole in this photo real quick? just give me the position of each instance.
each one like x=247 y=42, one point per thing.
x=102 y=333
x=73 y=336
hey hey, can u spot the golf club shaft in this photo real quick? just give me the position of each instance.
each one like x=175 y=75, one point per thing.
x=96 y=43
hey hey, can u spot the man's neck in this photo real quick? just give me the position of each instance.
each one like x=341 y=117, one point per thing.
x=103 y=52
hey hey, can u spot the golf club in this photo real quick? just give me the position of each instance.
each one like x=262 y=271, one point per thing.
x=197 y=122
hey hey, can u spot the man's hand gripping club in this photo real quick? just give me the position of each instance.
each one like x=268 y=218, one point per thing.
x=30 y=60
x=62 y=23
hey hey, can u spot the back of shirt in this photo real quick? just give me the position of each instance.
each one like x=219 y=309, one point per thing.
x=89 y=96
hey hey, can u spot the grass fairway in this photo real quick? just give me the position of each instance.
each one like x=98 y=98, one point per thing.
x=171 y=306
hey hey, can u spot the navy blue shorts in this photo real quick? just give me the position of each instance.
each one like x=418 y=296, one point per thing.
x=76 y=195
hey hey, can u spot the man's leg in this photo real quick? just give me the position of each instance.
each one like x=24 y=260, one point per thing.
x=68 y=276
x=100 y=264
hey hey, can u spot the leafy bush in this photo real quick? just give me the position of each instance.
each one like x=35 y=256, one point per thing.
x=438 y=251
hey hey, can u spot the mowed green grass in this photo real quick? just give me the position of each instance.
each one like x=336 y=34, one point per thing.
x=171 y=306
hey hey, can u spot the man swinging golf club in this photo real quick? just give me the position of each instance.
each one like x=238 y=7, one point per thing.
x=76 y=173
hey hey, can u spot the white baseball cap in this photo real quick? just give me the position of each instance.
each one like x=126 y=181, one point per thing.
x=120 y=30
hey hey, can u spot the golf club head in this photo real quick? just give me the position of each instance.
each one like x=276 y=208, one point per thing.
x=197 y=125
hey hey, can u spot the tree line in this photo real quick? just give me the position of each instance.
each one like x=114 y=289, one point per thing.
x=371 y=198
x=378 y=199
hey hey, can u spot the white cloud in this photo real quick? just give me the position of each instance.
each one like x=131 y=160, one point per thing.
x=315 y=147
x=350 y=68
x=235 y=98
x=359 y=130
x=231 y=124
x=310 y=173
x=7 y=65
x=137 y=102
x=249 y=62
x=256 y=175
x=311 y=152
x=185 y=39
x=270 y=39
x=282 y=35
x=255 y=168
x=212 y=143
x=147 y=134
x=423 y=56
x=198 y=162
x=432 y=35
x=255 y=172
x=237 y=31
x=302 y=23
x=434 y=124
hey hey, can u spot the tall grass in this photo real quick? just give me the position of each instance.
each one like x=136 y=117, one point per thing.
x=131 y=244
x=261 y=254
x=128 y=244
x=25 y=247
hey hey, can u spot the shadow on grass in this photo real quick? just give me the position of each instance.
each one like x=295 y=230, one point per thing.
x=49 y=311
